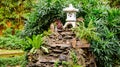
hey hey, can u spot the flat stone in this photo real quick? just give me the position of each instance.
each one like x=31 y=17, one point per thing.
x=68 y=37
x=60 y=37
x=79 y=43
x=66 y=33
x=54 y=55
x=51 y=36
x=84 y=41
x=83 y=45
x=53 y=40
x=61 y=66
x=47 y=60
x=66 y=52
x=70 y=30
x=74 y=42
x=60 y=45
x=63 y=48
x=31 y=65
x=68 y=42
x=57 y=50
x=58 y=41
x=62 y=58
x=59 y=30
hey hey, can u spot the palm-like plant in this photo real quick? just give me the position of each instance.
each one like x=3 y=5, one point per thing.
x=36 y=41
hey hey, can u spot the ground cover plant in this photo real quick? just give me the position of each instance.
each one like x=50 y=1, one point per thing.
x=11 y=42
x=14 y=61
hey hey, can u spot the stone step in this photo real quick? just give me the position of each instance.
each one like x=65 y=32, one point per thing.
x=57 y=51
x=47 y=60
x=63 y=46
x=68 y=37
x=66 y=32
x=59 y=45
x=83 y=46
x=54 y=55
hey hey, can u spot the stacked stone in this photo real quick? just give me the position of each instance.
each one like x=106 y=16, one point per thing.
x=61 y=37
x=59 y=45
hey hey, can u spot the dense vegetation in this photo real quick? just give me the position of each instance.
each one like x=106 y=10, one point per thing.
x=101 y=26
x=14 y=61
x=106 y=21
x=13 y=14
x=97 y=14
x=43 y=16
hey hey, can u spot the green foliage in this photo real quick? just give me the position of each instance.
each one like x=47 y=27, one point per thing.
x=76 y=66
x=10 y=31
x=14 y=9
x=101 y=26
x=14 y=61
x=74 y=62
x=46 y=33
x=11 y=42
x=14 y=12
x=63 y=63
x=46 y=12
x=45 y=49
x=66 y=64
x=74 y=57
x=56 y=64
x=37 y=42
x=106 y=21
x=88 y=32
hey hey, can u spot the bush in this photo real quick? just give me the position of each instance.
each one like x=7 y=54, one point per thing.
x=46 y=12
x=11 y=42
x=14 y=61
x=13 y=13
x=107 y=22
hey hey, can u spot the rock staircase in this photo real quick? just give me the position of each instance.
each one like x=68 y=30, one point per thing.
x=60 y=45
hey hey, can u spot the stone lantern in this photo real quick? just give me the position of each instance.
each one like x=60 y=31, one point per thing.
x=71 y=15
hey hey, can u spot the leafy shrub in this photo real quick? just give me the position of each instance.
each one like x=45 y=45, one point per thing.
x=14 y=61
x=107 y=22
x=11 y=42
x=45 y=13
x=13 y=13
x=88 y=32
